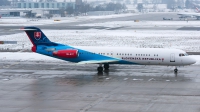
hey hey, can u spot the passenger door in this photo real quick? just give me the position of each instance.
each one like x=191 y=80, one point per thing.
x=172 y=57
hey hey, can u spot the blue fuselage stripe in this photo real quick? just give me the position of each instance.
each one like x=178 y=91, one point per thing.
x=83 y=55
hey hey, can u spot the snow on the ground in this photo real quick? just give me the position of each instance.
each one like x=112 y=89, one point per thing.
x=112 y=16
x=146 y=24
x=30 y=22
x=23 y=56
x=185 y=40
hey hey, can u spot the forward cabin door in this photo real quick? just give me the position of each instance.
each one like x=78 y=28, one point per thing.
x=172 y=57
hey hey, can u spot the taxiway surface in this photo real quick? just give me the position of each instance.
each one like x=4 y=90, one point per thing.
x=67 y=87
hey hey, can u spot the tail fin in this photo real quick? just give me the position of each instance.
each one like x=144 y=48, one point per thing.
x=197 y=9
x=36 y=36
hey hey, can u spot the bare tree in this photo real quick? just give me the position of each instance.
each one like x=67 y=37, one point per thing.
x=128 y=2
x=156 y=1
x=140 y=7
x=51 y=0
x=188 y=4
x=180 y=3
x=135 y=1
x=4 y=3
x=170 y=3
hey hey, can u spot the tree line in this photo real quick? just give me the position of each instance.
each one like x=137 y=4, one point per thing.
x=85 y=7
x=4 y=3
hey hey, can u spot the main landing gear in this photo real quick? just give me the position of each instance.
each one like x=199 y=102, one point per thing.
x=175 y=70
x=100 y=68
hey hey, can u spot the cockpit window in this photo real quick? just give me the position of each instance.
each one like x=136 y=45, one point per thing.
x=186 y=54
x=183 y=54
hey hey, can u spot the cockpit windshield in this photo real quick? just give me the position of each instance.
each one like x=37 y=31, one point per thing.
x=186 y=54
x=183 y=54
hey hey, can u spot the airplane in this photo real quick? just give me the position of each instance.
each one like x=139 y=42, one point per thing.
x=104 y=56
x=186 y=15
x=197 y=10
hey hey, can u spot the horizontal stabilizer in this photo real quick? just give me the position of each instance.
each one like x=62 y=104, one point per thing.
x=97 y=61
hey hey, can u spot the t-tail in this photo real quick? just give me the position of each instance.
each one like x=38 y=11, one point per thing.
x=197 y=9
x=37 y=37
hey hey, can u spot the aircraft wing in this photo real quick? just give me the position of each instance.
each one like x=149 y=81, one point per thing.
x=196 y=15
x=187 y=14
x=97 y=61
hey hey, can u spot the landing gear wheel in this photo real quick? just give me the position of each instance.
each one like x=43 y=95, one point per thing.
x=106 y=66
x=100 y=69
x=175 y=70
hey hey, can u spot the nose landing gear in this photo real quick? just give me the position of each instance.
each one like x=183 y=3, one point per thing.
x=175 y=70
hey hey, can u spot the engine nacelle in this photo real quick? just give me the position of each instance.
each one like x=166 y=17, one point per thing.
x=66 y=53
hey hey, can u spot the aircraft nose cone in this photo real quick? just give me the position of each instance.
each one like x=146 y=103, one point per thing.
x=192 y=61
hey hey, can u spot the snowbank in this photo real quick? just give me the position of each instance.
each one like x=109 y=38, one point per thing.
x=22 y=56
x=185 y=40
x=146 y=24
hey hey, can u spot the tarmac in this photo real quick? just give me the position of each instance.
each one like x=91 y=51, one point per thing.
x=67 y=87
x=41 y=86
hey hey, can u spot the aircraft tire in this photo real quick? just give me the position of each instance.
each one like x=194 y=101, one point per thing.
x=100 y=69
x=175 y=70
x=106 y=66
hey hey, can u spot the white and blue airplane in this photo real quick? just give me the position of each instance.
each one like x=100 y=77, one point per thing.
x=104 y=56
x=185 y=15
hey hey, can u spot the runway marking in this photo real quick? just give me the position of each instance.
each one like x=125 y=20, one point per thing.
x=7 y=66
x=125 y=79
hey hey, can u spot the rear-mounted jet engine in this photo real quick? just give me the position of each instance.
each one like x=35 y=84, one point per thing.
x=66 y=53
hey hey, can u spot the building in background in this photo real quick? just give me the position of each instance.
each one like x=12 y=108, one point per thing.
x=35 y=7
x=45 y=5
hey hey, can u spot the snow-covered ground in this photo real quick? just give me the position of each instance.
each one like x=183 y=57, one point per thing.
x=146 y=24
x=30 y=22
x=185 y=40
x=24 y=56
